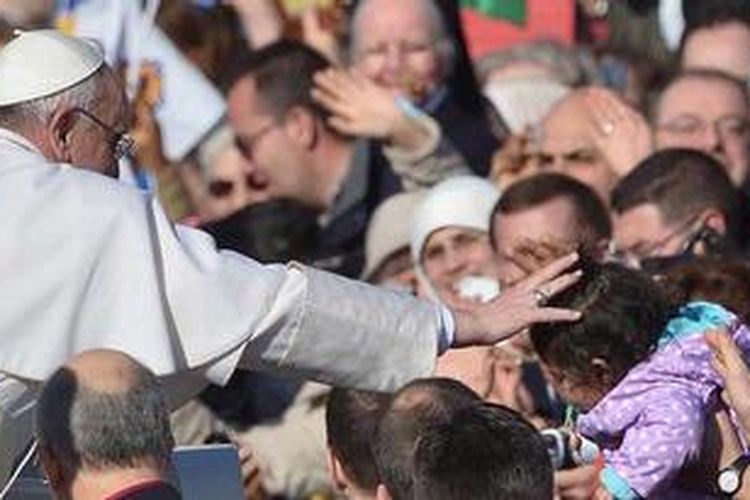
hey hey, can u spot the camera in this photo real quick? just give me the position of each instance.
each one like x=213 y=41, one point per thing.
x=567 y=449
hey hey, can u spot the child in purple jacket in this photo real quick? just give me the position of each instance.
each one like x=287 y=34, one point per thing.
x=639 y=368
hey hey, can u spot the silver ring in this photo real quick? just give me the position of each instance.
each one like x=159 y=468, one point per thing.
x=540 y=297
x=608 y=128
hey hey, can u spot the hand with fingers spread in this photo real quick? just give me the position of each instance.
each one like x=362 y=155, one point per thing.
x=728 y=361
x=622 y=134
x=518 y=306
x=361 y=108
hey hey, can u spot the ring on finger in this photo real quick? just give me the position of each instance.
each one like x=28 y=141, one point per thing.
x=540 y=296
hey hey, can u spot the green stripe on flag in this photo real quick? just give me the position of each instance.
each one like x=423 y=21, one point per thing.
x=510 y=10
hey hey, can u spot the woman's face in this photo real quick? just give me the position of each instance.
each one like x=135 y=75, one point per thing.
x=453 y=253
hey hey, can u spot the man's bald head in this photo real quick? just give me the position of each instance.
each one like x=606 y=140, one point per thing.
x=106 y=371
x=568 y=146
x=102 y=411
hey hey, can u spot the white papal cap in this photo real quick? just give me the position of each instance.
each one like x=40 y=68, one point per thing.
x=40 y=63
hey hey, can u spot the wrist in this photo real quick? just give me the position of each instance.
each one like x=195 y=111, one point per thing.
x=729 y=480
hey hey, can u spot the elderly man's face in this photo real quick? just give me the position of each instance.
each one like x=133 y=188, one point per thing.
x=453 y=253
x=567 y=147
x=97 y=138
x=709 y=115
x=725 y=47
x=396 y=47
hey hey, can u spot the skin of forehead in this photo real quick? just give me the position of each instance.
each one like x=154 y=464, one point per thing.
x=372 y=11
x=568 y=123
x=669 y=104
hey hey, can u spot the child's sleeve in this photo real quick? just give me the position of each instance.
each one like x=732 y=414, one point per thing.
x=666 y=436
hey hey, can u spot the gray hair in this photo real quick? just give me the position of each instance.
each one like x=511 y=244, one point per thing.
x=444 y=45
x=87 y=429
x=82 y=95
x=564 y=64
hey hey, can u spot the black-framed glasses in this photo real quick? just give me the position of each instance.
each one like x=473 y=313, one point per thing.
x=120 y=141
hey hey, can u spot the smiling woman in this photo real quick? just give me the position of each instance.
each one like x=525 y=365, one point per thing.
x=450 y=236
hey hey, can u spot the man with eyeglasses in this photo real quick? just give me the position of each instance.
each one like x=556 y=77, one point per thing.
x=706 y=110
x=89 y=262
x=677 y=203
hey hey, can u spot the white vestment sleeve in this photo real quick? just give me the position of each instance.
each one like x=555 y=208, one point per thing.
x=91 y=263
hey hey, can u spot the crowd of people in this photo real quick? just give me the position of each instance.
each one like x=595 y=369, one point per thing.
x=381 y=264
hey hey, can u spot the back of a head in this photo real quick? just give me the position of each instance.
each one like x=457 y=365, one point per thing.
x=483 y=452
x=104 y=416
x=283 y=75
x=415 y=408
x=623 y=315
x=351 y=421
x=681 y=183
x=592 y=217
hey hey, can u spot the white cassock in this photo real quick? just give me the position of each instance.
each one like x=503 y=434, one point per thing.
x=87 y=262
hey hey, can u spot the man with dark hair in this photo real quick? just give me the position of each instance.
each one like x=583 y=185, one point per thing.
x=415 y=408
x=551 y=209
x=482 y=452
x=676 y=202
x=705 y=110
x=351 y=420
x=103 y=429
x=301 y=157
x=717 y=35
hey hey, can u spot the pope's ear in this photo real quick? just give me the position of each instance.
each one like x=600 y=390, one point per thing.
x=59 y=128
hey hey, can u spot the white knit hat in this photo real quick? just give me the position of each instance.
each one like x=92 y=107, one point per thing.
x=389 y=229
x=463 y=201
x=44 y=62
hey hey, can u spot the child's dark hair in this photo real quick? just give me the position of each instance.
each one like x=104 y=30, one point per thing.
x=624 y=313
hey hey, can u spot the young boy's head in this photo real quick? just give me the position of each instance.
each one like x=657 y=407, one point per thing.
x=624 y=313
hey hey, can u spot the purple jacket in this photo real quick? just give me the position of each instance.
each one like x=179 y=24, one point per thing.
x=650 y=426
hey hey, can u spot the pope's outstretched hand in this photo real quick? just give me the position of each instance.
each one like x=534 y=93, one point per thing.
x=517 y=307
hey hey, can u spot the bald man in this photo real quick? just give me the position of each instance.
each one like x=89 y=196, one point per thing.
x=594 y=137
x=103 y=430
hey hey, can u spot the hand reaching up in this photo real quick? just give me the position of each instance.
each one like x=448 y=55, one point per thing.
x=361 y=108
x=622 y=133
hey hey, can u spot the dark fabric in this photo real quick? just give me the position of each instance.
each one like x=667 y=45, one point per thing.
x=469 y=131
x=153 y=490
x=276 y=231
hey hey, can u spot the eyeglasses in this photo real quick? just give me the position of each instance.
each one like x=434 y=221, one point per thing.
x=635 y=256
x=247 y=145
x=120 y=141
x=728 y=127
x=221 y=188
